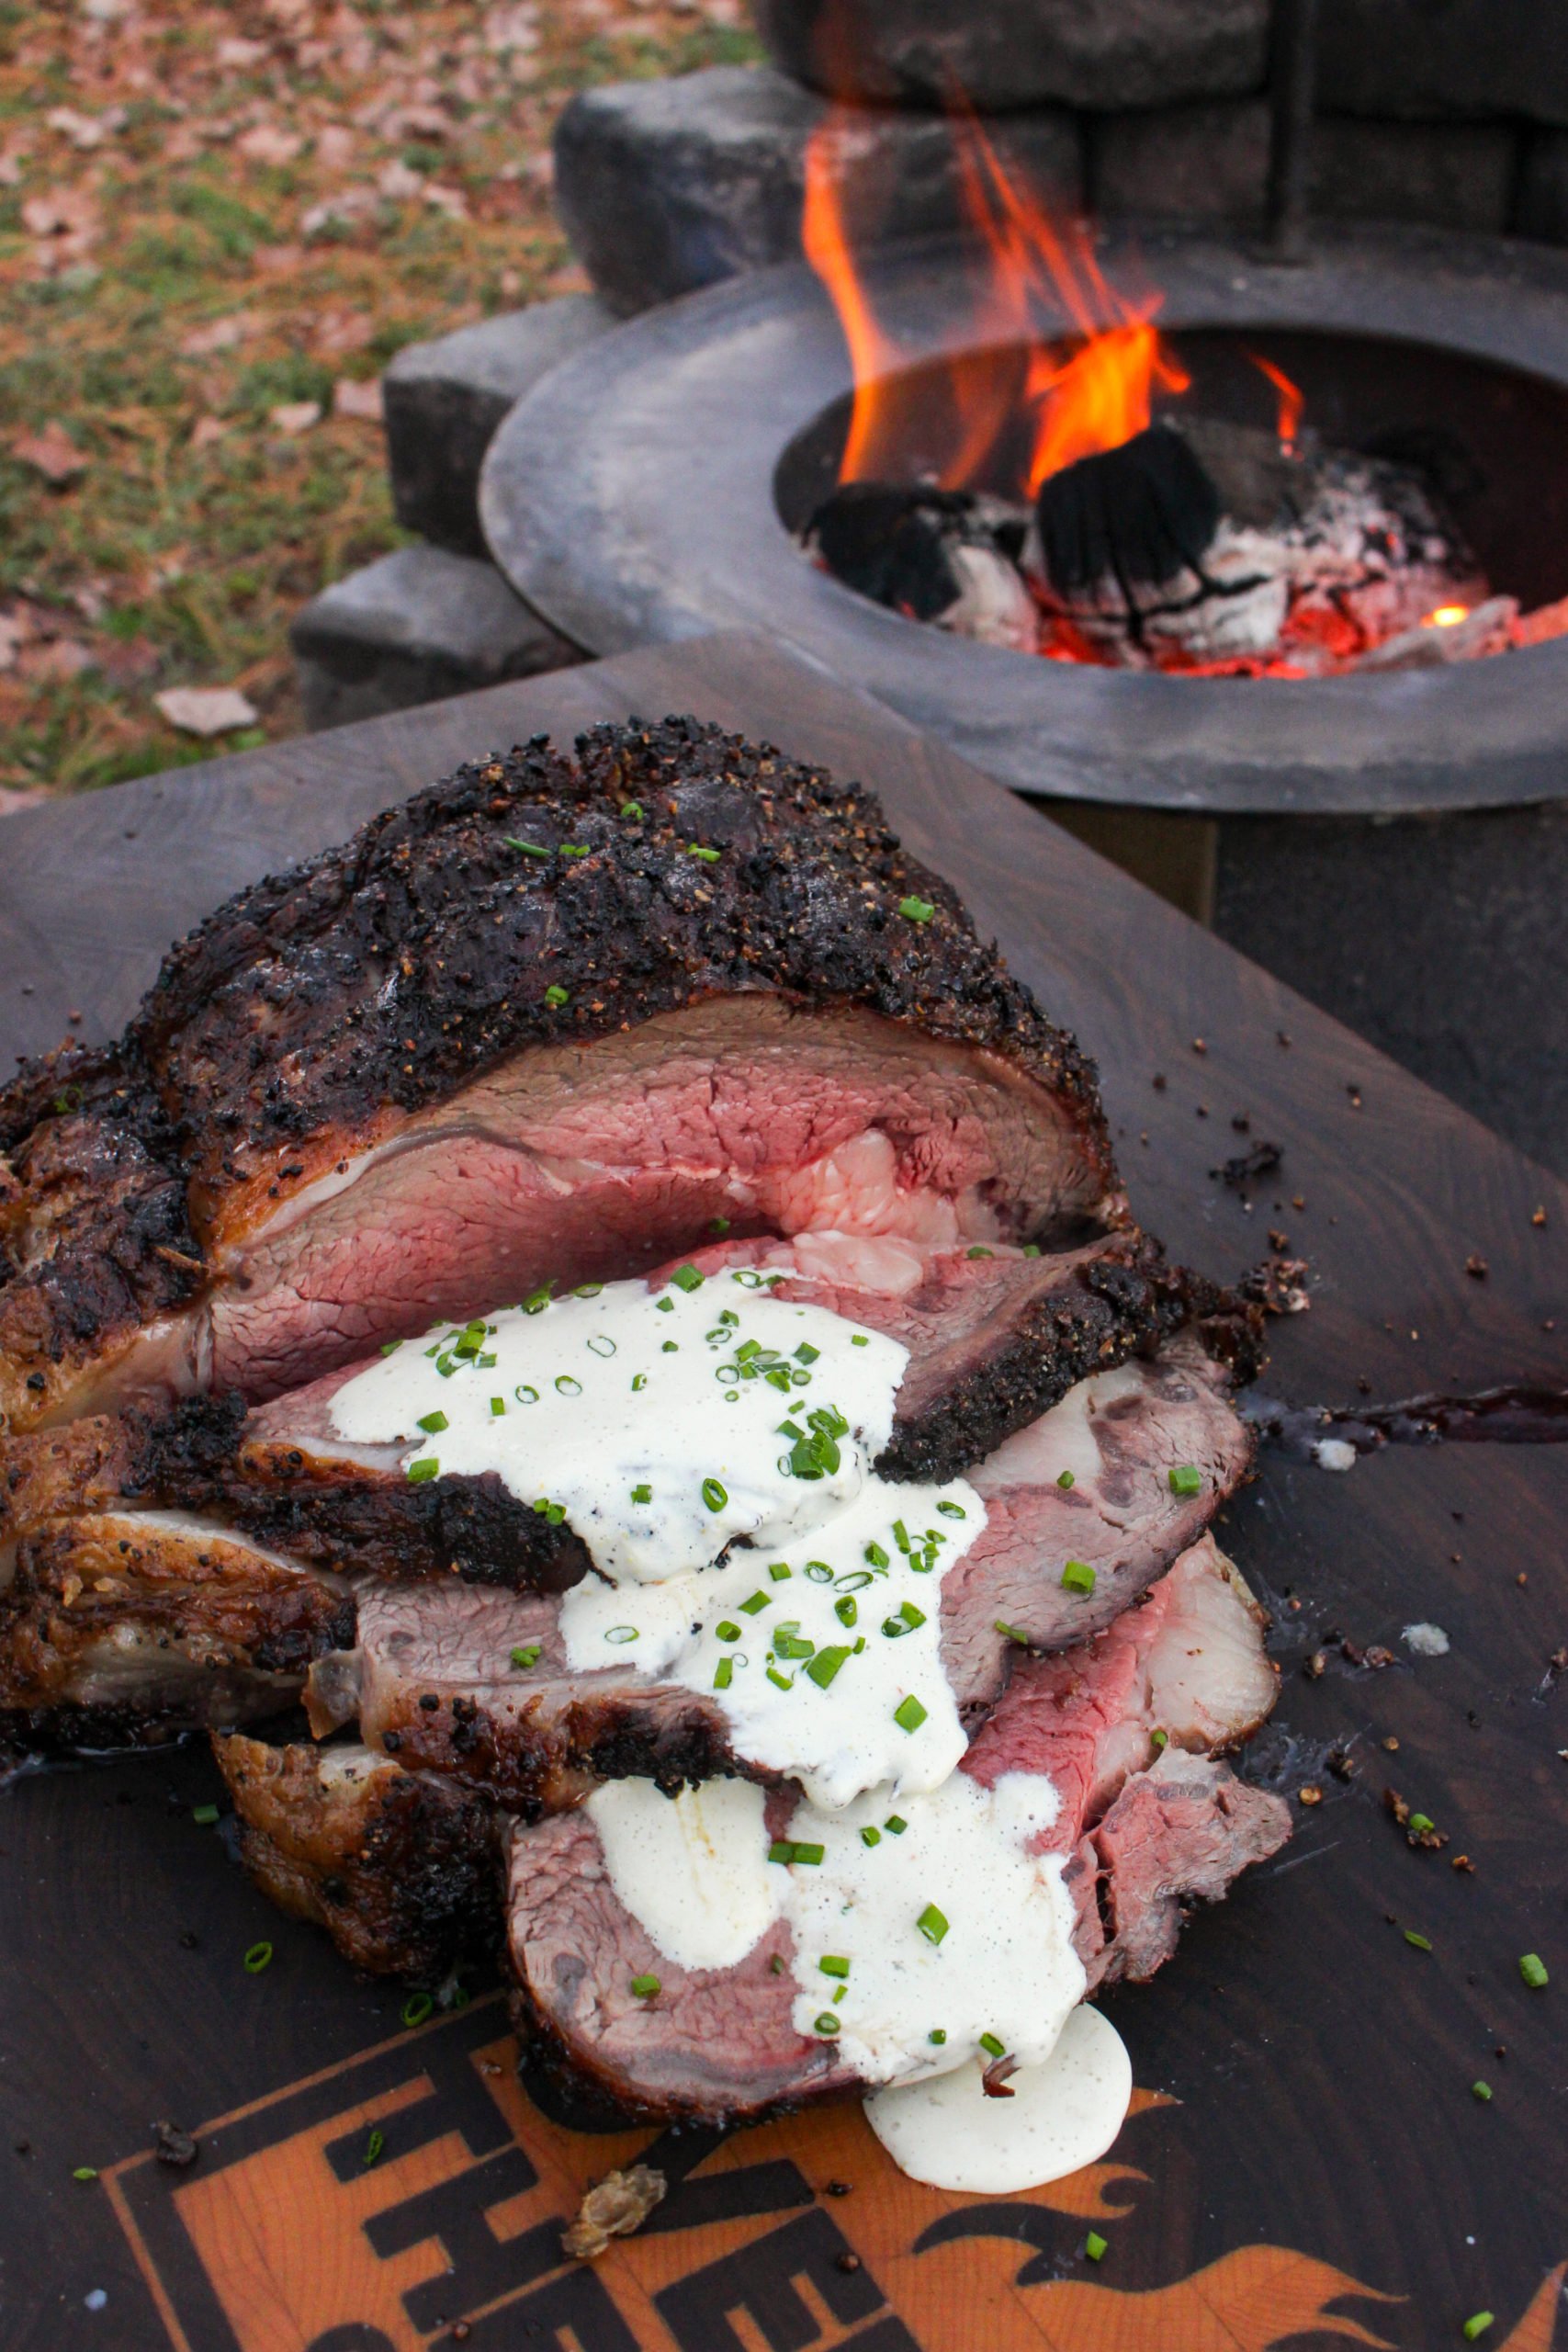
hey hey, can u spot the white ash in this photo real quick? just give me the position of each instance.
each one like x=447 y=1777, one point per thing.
x=1334 y=1453
x=1427 y=1641
x=994 y=606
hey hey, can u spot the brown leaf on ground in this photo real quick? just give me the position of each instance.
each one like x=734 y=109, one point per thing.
x=620 y=2203
x=334 y=147
x=397 y=181
x=239 y=53
x=267 y=144
x=206 y=711
x=294 y=416
x=12 y=636
x=51 y=453
x=344 y=331
x=362 y=401
x=63 y=213
x=279 y=261
x=219 y=335
x=85 y=129
x=129 y=661
x=11 y=167
x=54 y=663
x=206 y=431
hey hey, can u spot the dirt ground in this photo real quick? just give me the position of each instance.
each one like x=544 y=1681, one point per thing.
x=217 y=225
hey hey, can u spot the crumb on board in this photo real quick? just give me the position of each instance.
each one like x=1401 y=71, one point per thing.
x=618 y=2204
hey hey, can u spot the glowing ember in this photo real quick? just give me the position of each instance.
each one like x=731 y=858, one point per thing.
x=1446 y=616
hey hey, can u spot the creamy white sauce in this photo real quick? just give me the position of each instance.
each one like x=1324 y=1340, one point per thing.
x=651 y=1419
x=1062 y=2115
x=692 y=1870
x=826 y=1658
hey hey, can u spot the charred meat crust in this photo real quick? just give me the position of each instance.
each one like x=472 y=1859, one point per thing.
x=402 y=1870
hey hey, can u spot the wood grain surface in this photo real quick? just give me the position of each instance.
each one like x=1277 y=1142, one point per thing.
x=1309 y=2165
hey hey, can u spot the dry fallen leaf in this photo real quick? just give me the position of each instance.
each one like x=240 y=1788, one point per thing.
x=85 y=129
x=51 y=453
x=449 y=201
x=241 y=53
x=54 y=663
x=358 y=399
x=11 y=166
x=334 y=147
x=399 y=180
x=204 y=431
x=267 y=144
x=12 y=636
x=63 y=213
x=342 y=331
x=219 y=335
x=206 y=711
x=353 y=204
x=516 y=27
x=295 y=416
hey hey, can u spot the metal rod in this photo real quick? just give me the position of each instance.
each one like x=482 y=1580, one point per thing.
x=1292 y=96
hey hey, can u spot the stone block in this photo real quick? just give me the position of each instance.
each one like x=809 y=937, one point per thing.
x=1211 y=163
x=443 y=400
x=1006 y=53
x=417 y=625
x=664 y=186
x=1542 y=206
x=1465 y=60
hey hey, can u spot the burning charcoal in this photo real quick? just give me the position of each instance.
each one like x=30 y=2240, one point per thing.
x=949 y=556
x=1450 y=634
x=1142 y=514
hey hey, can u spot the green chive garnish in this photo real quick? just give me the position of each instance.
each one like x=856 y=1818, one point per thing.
x=979 y=1251
x=781 y=1850
x=644 y=1988
x=825 y=1664
x=953 y=1510
x=204 y=1815
x=931 y=1924
x=810 y=1854
x=910 y=1614
x=937 y=2034
x=85 y=2172
x=498 y=1408
x=1066 y=1479
x=756 y=1602
x=1420 y=1823
x=825 y=2024
x=1477 y=2325
x=632 y=812
x=996 y=2048
x=1095 y=2246
x=433 y=1423
x=529 y=849
x=390 y=1347
x=258 y=1957
x=1532 y=1968
x=833 y=1963
x=555 y=996
x=416 y=2008
x=896 y=1825
x=1011 y=1632
x=916 y=909
x=1186 y=1479
x=1160 y=1739
x=876 y=1555
x=908 y=1714
x=709 y=856
x=714 y=1495
x=846 y=1608
x=869 y=1837
x=724 y=1674
x=1422 y=1943
x=374 y=2144
x=778 y=1571
x=1079 y=1576
x=427 y=1468
x=686 y=1278
x=858 y=1340
x=1030 y=1250
x=727 y=1630
x=1481 y=2090
x=639 y=1382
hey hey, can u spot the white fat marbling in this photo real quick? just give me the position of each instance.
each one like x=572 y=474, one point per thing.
x=692 y=1870
x=650 y=1419
x=1061 y=1444
x=825 y=1658
x=1062 y=2115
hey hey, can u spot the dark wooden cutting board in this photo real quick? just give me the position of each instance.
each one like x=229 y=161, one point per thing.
x=1308 y=2162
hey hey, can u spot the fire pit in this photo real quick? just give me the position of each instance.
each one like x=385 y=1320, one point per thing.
x=661 y=483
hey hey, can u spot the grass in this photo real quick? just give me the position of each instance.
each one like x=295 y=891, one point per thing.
x=211 y=213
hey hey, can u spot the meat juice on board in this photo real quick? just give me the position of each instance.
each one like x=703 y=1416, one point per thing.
x=713 y=1447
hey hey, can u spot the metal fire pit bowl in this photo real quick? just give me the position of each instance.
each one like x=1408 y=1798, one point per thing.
x=1395 y=845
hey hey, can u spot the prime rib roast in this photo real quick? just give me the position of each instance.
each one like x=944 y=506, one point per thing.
x=569 y=1020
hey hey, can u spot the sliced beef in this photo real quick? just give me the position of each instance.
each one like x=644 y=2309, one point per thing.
x=433 y=1677
x=1147 y=1828
x=400 y=1868
x=123 y=1626
x=548 y=1017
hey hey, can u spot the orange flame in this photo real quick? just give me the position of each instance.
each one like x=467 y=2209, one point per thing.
x=1088 y=393
x=1292 y=400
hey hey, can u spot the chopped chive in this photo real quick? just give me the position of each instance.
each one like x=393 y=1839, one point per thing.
x=1477 y=2325
x=374 y=2144
x=754 y=1604
x=529 y=849
x=427 y=1467
x=988 y=2043
x=1066 y=1479
x=780 y=1681
x=526 y=1655
x=644 y=1988
x=825 y=1664
x=555 y=996
x=791 y=1429
x=85 y=2172
x=937 y=2034
x=720 y=1225
x=433 y=1423
x=620 y=1635
x=484 y=1362
x=780 y=1571
x=498 y=1408
x=1011 y=1632
x=258 y=1957
x=953 y=1510
x=724 y=1674
x=979 y=1251
x=908 y=1714
x=524 y=1394
x=853 y=1580
x=573 y=848
x=416 y=2008
x=916 y=909
x=876 y=1555
x=846 y=1608
x=665 y=1306
x=1420 y=1823
x=599 y=1345
x=204 y=1815
x=714 y=1495
x=1532 y=1968
x=686 y=1278
x=709 y=856
x=790 y=1643
x=632 y=812
x=1160 y=1739
x=639 y=1382
x=747 y=1349
x=781 y=1850
x=1481 y=2090
x=900 y=1535
x=896 y=1825
x=858 y=1340
x=537 y=1301
x=1079 y=1576
x=833 y=1963
x=807 y=1353
x=812 y=1854
x=1030 y=1250
x=931 y=1924
x=825 y=2024
x=910 y=1614
x=390 y=1347
x=1186 y=1478
x=727 y=1630
x=1422 y=1943
x=1095 y=2246
x=566 y=1386
x=819 y=1572
x=869 y=1837
x=671 y=1348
